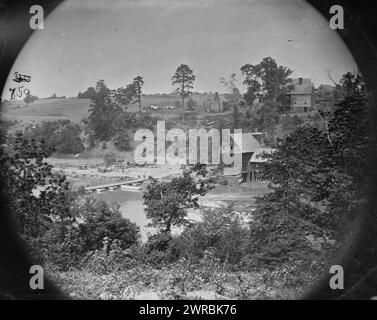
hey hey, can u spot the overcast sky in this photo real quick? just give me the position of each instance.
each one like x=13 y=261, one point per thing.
x=116 y=40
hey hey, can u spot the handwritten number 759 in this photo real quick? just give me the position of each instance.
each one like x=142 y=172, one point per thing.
x=20 y=91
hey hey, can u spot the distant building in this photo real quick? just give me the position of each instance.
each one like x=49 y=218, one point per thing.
x=256 y=164
x=252 y=161
x=302 y=96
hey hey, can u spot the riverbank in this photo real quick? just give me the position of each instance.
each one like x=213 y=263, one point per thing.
x=84 y=172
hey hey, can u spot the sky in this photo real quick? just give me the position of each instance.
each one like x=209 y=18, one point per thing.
x=116 y=40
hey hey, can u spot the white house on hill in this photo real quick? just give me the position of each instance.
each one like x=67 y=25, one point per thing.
x=302 y=96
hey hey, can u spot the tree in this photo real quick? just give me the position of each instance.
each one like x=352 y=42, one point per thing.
x=266 y=120
x=233 y=97
x=62 y=135
x=88 y=94
x=236 y=117
x=122 y=141
x=138 y=84
x=353 y=84
x=349 y=134
x=123 y=96
x=318 y=180
x=184 y=78
x=30 y=99
x=290 y=124
x=217 y=99
x=103 y=110
x=99 y=220
x=249 y=97
x=191 y=103
x=177 y=104
x=68 y=140
x=302 y=181
x=167 y=202
x=35 y=193
x=266 y=79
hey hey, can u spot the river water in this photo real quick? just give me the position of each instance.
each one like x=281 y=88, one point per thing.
x=131 y=207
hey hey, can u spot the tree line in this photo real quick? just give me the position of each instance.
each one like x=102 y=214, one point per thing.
x=318 y=177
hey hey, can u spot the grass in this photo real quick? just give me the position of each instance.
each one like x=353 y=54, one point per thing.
x=47 y=110
x=77 y=109
x=178 y=281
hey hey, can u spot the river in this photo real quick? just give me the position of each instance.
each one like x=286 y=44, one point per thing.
x=131 y=207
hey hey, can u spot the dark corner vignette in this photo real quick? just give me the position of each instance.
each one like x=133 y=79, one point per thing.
x=360 y=269
x=15 y=261
x=359 y=265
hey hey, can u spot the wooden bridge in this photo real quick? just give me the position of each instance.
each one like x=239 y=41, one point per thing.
x=114 y=185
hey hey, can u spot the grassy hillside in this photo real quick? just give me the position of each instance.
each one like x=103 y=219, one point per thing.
x=46 y=110
x=77 y=109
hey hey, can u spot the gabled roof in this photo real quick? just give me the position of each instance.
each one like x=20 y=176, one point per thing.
x=249 y=142
x=306 y=87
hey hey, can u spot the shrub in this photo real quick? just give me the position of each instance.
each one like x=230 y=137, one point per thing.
x=102 y=262
x=30 y=99
x=158 y=242
x=62 y=135
x=123 y=142
x=191 y=103
x=67 y=241
x=221 y=232
x=155 y=251
x=109 y=156
x=99 y=220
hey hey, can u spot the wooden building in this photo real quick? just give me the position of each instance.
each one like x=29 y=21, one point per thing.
x=254 y=168
x=302 y=96
x=252 y=160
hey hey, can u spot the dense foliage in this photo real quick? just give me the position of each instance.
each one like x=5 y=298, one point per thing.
x=30 y=99
x=167 y=202
x=266 y=79
x=36 y=194
x=317 y=176
x=108 y=116
x=88 y=94
x=62 y=135
x=59 y=225
x=318 y=179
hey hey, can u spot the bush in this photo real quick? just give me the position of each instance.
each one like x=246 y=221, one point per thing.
x=221 y=232
x=177 y=104
x=102 y=262
x=88 y=94
x=62 y=135
x=191 y=103
x=99 y=220
x=158 y=242
x=30 y=99
x=68 y=140
x=67 y=241
x=109 y=156
x=123 y=142
x=156 y=250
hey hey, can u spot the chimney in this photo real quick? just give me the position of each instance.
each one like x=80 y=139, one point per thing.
x=299 y=80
